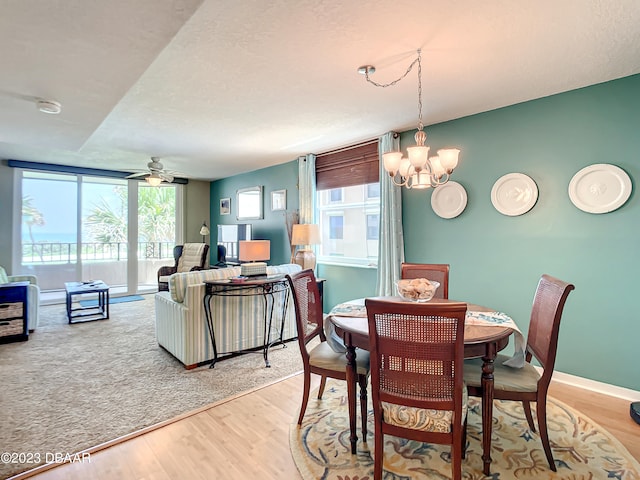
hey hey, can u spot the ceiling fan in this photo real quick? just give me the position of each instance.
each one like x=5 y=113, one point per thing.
x=155 y=174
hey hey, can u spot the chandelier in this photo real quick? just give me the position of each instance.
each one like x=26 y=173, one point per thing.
x=417 y=170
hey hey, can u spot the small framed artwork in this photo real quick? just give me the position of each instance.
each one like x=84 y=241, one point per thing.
x=225 y=206
x=278 y=200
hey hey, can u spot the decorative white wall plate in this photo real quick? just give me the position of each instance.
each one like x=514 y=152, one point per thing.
x=600 y=188
x=514 y=194
x=449 y=200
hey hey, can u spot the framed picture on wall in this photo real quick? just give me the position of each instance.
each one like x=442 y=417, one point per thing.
x=278 y=200
x=249 y=206
x=225 y=206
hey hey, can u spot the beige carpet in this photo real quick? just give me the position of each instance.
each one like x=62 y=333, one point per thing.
x=582 y=449
x=72 y=387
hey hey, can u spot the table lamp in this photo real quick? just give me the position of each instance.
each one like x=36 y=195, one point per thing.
x=255 y=252
x=204 y=231
x=304 y=234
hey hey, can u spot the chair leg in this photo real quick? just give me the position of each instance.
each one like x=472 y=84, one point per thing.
x=456 y=460
x=541 y=409
x=305 y=395
x=526 y=405
x=378 y=452
x=464 y=438
x=362 y=381
x=323 y=383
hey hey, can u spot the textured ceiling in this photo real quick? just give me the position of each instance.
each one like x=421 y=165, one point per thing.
x=215 y=88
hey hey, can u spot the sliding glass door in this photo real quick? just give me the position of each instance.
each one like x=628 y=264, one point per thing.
x=103 y=226
x=156 y=222
x=80 y=228
x=49 y=234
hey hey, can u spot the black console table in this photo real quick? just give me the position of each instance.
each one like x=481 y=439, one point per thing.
x=267 y=287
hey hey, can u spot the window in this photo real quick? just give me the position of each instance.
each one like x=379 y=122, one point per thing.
x=77 y=227
x=373 y=222
x=336 y=227
x=335 y=195
x=348 y=203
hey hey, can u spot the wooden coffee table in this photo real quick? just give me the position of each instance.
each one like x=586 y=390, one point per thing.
x=87 y=314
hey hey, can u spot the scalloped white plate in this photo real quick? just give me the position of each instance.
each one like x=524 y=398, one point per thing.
x=449 y=200
x=514 y=194
x=600 y=188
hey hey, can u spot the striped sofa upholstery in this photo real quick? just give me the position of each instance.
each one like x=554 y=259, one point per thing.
x=181 y=326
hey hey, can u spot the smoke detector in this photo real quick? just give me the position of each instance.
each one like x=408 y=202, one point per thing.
x=49 y=106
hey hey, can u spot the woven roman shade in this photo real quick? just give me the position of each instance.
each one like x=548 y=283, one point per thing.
x=354 y=165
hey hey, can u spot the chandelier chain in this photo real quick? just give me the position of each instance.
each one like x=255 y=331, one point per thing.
x=420 y=124
x=390 y=84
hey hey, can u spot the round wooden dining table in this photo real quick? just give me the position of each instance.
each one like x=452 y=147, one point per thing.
x=480 y=341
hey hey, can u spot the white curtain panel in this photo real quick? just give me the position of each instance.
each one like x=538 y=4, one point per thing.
x=391 y=237
x=307 y=188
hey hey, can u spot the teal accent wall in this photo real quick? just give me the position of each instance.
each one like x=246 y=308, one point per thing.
x=497 y=260
x=346 y=283
x=273 y=226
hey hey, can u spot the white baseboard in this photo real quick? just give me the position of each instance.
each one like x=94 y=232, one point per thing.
x=604 y=388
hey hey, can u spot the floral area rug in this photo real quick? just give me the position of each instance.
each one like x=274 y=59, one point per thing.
x=582 y=449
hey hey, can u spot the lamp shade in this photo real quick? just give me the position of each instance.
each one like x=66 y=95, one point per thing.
x=305 y=234
x=204 y=230
x=254 y=250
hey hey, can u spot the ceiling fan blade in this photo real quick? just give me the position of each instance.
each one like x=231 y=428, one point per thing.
x=166 y=177
x=137 y=175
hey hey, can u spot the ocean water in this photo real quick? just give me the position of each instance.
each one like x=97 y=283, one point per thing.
x=48 y=237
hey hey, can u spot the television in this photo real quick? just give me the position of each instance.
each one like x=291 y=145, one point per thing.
x=229 y=237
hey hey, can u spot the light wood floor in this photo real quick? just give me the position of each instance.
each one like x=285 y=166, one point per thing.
x=248 y=437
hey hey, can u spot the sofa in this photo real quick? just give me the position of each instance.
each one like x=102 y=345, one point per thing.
x=181 y=325
x=33 y=296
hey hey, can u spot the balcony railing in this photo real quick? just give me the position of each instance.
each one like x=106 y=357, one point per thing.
x=60 y=252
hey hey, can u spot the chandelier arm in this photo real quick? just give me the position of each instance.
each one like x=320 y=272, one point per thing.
x=403 y=181
x=441 y=180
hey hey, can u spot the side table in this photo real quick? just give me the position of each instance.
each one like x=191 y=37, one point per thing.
x=98 y=312
x=266 y=287
x=13 y=312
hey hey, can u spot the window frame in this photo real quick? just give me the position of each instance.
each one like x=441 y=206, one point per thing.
x=79 y=179
x=351 y=166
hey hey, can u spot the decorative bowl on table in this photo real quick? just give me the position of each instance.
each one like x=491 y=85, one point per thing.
x=417 y=289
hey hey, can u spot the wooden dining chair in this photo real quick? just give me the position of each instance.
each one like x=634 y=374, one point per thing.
x=417 y=352
x=321 y=359
x=438 y=272
x=527 y=384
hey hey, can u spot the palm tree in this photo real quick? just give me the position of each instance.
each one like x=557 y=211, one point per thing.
x=106 y=225
x=31 y=216
x=156 y=212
